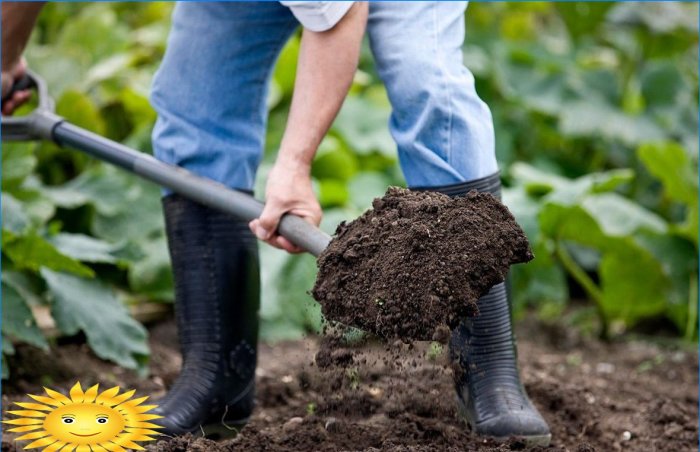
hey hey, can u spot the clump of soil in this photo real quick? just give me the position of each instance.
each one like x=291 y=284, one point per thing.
x=417 y=261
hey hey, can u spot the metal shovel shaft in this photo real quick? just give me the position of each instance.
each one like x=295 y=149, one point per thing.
x=202 y=190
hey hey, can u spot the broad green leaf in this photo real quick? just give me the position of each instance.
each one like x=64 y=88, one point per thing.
x=591 y=119
x=670 y=163
x=7 y=349
x=365 y=187
x=38 y=207
x=620 y=217
x=634 y=287
x=18 y=321
x=30 y=287
x=363 y=126
x=332 y=192
x=151 y=275
x=679 y=175
x=678 y=260
x=18 y=161
x=659 y=17
x=539 y=281
x=33 y=252
x=582 y=18
x=90 y=306
x=285 y=69
x=337 y=164
x=286 y=304
x=84 y=248
x=14 y=219
x=525 y=210
x=78 y=109
x=568 y=191
x=662 y=83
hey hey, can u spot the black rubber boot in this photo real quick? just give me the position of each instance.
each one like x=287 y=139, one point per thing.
x=489 y=392
x=217 y=286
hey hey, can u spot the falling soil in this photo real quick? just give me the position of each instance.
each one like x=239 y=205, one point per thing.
x=624 y=396
x=417 y=261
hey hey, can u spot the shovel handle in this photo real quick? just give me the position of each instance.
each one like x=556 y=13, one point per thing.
x=42 y=123
x=26 y=82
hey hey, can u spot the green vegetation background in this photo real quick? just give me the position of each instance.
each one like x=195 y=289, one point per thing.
x=595 y=107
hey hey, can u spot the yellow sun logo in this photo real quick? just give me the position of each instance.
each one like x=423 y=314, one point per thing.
x=87 y=421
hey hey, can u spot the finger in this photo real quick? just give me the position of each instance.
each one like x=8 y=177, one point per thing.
x=268 y=221
x=21 y=97
x=15 y=101
x=282 y=243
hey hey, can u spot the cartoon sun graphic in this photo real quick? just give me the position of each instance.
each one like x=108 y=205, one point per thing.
x=87 y=421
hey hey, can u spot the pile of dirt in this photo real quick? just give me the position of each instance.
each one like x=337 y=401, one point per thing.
x=632 y=395
x=417 y=261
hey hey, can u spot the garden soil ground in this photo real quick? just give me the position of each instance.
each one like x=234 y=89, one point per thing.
x=630 y=396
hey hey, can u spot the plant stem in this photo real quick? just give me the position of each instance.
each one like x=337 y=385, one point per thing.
x=692 y=307
x=588 y=285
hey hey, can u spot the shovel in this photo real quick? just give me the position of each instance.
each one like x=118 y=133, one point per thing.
x=44 y=124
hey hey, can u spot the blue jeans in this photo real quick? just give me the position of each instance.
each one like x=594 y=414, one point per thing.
x=210 y=91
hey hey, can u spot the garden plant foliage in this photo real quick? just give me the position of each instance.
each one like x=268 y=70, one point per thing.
x=595 y=108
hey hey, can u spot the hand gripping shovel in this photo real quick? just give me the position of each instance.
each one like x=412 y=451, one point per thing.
x=43 y=124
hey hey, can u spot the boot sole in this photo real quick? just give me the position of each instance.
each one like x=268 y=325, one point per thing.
x=530 y=440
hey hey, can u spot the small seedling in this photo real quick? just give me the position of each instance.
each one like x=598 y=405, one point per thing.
x=310 y=409
x=434 y=351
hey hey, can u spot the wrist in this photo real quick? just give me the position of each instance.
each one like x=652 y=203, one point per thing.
x=294 y=162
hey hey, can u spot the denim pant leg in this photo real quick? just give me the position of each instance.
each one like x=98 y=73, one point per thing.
x=210 y=90
x=444 y=132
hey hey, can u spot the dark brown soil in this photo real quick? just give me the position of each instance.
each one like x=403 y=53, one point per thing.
x=417 y=261
x=624 y=396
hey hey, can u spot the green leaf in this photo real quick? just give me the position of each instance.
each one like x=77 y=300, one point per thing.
x=620 y=217
x=670 y=163
x=13 y=217
x=85 y=248
x=18 y=162
x=363 y=126
x=90 y=306
x=33 y=252
x=540 y=281
x=586 y=118
x=634 y=287
x=79 y=109
x=334 y=162
x=285 y=68
x=151 y=275
x=568 y=191
x=286 y=303
x=679 y=175
x=332 y=193
x=18 y=321
x=365 y=187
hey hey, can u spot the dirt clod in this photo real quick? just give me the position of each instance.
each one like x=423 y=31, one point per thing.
x=416 y=261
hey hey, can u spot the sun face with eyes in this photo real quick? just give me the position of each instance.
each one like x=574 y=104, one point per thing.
x=86 y=421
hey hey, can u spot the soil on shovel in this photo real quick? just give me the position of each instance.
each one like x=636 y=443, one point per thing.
x=417 y=261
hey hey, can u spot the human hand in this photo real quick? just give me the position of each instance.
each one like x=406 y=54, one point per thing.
x=288 y=191
x=9 y=77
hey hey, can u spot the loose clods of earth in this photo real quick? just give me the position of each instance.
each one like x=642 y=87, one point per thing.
x=417 y=261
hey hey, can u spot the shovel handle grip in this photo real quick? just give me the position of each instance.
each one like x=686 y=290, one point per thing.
x=26 y=82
